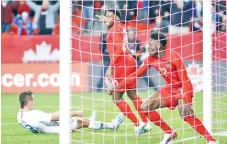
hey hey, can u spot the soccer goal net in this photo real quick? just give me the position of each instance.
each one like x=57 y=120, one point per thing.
x=194 y=29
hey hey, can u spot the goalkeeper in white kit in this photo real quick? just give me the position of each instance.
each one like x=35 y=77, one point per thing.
x=41 y=122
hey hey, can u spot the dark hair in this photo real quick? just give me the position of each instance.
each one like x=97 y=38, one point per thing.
x=159 y=36
x=23 y=98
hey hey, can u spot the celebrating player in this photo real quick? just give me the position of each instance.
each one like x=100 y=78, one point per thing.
x=178 y=90
x=40 y=122
x=121 y=65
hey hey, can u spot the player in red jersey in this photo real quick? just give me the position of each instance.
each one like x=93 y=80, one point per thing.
x=178 y=90
x=121 y=65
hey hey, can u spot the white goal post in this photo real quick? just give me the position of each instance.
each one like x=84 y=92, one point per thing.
x=207 y=64
x=65 y=136
x=210 y=97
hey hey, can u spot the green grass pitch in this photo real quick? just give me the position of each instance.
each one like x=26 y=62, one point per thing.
x=13 y=133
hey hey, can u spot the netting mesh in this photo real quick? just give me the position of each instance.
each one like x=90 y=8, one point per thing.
x=182 y=23
x=219 y=75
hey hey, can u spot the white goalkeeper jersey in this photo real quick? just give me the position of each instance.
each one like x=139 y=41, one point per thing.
x=37 y=121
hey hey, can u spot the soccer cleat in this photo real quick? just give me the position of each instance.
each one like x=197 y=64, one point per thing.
x=168 y=137
x=140 y=129
x=213 y=142
x=117 y=121
x=147 y=128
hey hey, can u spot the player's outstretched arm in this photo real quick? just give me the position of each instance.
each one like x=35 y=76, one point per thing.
x=138 y=73
x=131 y=78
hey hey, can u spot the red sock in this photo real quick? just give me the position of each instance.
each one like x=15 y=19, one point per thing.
x=157 y=120
x=125 y=109
x=199 y=127
x=137 y=103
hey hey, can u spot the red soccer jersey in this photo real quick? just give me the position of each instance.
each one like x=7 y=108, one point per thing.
x=117 y=45
x=171 y=68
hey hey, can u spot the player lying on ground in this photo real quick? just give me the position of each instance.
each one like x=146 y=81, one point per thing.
x=178 y=90
x=122 y=64
x=40 y=122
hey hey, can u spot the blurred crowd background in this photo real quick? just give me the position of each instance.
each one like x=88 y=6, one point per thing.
x=30 y=17
x=169 y=16
x=34 y=17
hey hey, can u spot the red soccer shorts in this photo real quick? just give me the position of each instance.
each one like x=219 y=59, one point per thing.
x=120 y=73
x=171 y=96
